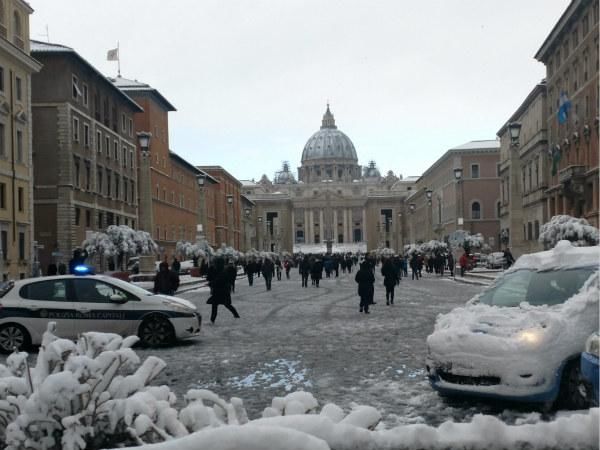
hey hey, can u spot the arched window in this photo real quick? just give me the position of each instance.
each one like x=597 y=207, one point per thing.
x=475 y=210
x=17 y=24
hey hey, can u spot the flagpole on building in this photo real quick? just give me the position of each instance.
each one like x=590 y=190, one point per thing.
x=118 y=60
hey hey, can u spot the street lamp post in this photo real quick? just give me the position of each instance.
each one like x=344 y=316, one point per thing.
x=515 y=193
x=145 y=182
x=260 y=233
x=458 y=173
x=246 y=246
x=428 y=194
x=231 y=237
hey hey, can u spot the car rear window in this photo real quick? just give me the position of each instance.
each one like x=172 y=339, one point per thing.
x=49 y=290
x=551 y=287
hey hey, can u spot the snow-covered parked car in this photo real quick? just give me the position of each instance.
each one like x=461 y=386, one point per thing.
x=79 y=304
x=522 y=337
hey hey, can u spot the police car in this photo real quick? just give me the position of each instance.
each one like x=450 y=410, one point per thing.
x=90 y=303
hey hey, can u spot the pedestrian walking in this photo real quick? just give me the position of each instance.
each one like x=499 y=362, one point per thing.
x=287 y=265
x=366 y=280
x=463 y=262
x=250 y=269
x=304 y=271
x=267 y=272
x=390 y=277
x=317 y=271
x=220 y=290
x=451 y=264
x=175 y=265
x=278 y=269
x=166 y=281
x=414 y=266
x=231 y=270
x=509 y=257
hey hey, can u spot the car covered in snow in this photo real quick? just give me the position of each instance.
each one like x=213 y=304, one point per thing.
x=522 y=337
x=589 y=368
x=495 y=260
x=91 y=303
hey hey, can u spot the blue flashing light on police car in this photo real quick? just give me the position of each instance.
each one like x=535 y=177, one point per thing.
x=82 y=269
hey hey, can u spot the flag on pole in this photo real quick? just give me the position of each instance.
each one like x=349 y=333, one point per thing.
x=113 y=55
x=564 y=105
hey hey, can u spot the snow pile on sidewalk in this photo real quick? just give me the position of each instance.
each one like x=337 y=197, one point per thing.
x=96 y=394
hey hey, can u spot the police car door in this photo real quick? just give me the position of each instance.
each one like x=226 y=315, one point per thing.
x=97 y=308
x=48 y=301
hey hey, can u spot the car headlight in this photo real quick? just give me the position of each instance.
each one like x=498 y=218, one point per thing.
x=177 y=307
x=530 y=336
x=592 y=345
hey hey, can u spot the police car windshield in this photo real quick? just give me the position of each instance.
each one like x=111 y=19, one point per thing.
x=130 y=287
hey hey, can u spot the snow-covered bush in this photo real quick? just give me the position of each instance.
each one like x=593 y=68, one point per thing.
x=191 y=250
x=384 y=252
x=573 y=229
x=120 y=241
x=434 y=246
x=89 y=394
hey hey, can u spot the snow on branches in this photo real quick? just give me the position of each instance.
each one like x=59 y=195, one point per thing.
x=573 y=229
x=193 y=250
x=96 y=393
x=120 y=240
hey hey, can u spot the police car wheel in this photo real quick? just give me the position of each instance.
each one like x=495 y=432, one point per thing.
x=156 y=331
x=13 y=336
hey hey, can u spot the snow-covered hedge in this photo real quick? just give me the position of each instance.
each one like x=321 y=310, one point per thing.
x=573 y=229
x=192 y=250
x=97 y=394
x=120 y=240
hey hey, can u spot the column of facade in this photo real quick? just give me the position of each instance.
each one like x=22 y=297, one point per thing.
x=311 y=225
x=293 y=227
x=364 y=225
x=321 y=226
x=334 y=230
x=345 y=213
x=350 y=226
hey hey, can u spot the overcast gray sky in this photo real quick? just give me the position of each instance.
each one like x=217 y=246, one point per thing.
x=250 y=79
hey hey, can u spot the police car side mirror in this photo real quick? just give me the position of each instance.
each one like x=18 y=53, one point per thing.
x=116 y=298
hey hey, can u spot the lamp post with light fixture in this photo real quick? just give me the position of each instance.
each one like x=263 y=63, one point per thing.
x=259 y=231
x=509 y=236
x=458 y=173
x=230 y=233
x=145 y=183
x=428 y=194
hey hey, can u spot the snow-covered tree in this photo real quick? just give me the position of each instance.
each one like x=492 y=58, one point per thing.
x=576 y=230
x=120 y=242
x=99 y=243
x=191 y=250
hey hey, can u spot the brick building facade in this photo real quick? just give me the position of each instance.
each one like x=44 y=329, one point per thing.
x=571 y=55
x=169 y=191
x=85 y=162
x=223 y=208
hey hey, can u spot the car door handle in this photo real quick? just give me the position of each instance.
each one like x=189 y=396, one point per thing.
x=83 y=310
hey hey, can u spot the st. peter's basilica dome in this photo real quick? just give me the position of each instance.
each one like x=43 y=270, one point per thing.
x=329 y=143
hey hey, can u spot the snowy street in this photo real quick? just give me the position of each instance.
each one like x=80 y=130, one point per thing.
x=315 y=339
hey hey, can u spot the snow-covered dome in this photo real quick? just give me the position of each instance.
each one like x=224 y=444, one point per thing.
x=329 y=143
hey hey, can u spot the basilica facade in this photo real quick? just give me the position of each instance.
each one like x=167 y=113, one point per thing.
x=334 y=204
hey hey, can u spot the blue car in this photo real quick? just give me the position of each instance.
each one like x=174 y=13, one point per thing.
x=589 y=367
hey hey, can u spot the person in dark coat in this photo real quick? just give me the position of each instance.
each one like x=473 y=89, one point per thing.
x=166 y=281
x=250 y=269
x=365 y=279
x=278 y=268
x=305 y=271
x=414 y=266
x=390 y=276
x=267 y=270
x=220 y=289
x=231 y=270
x=175 y=265
x=510 y=260
x=317 y=271
x=287 y=265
